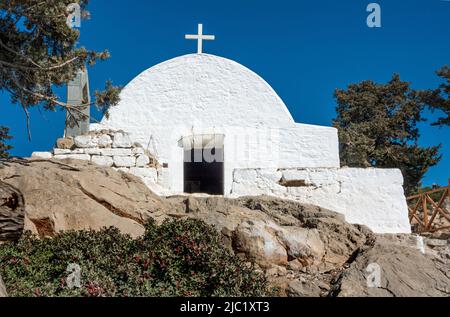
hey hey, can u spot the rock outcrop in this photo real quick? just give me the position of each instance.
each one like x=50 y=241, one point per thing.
x=79 y=195
x=12 y=212
x=303 y=250
x=403 y=271
x=269 y=231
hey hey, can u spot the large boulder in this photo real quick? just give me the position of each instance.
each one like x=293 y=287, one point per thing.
x=403 y=271
x=258 y=240
x=76 y=195
x=270 y=231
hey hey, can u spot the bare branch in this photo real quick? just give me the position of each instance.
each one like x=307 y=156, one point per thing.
x=27 y=114
x=18 y=54
x=39 y=67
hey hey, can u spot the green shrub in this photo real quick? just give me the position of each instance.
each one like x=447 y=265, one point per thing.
x=178 y=258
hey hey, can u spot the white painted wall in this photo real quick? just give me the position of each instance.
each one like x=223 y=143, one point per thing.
x=372 y=197
x=199 y=88
x=199 y=93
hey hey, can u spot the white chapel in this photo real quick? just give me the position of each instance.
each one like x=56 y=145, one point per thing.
x=217 y=128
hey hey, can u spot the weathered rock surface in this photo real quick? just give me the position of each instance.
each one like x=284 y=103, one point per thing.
x=78 y=195
x=12 y=212
x=121 y=140
x=303 y=250
x=65 y=143
x=270 y=231
x=299 y=288
x=404 y=271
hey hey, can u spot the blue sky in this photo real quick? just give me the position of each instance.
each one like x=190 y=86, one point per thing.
x=304 y=49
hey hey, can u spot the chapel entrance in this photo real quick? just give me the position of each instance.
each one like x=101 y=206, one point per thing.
x=204 y=165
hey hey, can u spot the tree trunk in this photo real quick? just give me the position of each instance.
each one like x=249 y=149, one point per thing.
x=3 y=292
x=12 y=212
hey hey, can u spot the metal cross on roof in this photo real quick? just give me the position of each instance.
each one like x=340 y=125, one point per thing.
x=200 y=37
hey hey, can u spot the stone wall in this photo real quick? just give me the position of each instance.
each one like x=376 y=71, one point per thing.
x=371 y=197
x=110 y=148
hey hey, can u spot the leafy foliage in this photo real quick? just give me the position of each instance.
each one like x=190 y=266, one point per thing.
x=439 y=99
x=107 y=98
x=38 y=52
x=178 y=258
x=378 y=128
x=3 y=147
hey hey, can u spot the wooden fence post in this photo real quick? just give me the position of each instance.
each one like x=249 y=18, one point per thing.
x=425 y=211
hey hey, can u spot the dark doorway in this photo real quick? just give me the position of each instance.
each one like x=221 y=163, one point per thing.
x=201 y=176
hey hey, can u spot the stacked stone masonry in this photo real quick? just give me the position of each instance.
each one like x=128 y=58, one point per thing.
x=109 y=148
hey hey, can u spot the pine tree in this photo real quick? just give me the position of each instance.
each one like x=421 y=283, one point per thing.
x=3 y=147
x=377 y=126
x=39 y=52
x=439 y=99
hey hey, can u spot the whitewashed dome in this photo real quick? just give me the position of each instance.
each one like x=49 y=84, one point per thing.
x=202 y=89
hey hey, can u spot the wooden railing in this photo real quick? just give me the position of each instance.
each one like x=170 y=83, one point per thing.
x=427 y=214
